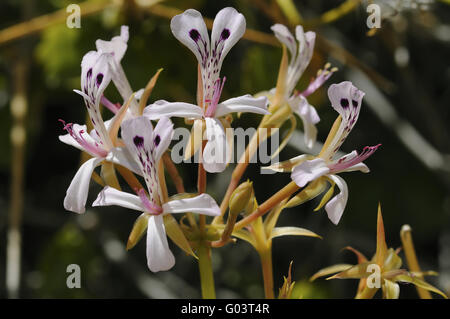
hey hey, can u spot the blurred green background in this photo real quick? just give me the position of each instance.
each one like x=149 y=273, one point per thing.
x=403 y=68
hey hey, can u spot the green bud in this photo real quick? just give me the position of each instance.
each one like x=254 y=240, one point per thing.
x=242 y=199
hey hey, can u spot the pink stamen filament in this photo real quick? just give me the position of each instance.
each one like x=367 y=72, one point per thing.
x=344 y=164
x=149 y=207
x=110 y=105
x=218 y=87
x=89 y=147
x=316 y=83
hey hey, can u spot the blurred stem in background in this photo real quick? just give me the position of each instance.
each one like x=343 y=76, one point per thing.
x=19 y=107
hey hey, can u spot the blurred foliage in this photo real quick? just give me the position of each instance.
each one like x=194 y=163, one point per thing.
x=410 y=192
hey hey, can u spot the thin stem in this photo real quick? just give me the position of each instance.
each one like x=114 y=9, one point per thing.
x=282 y=194
x=267 y=269
x=206 y=273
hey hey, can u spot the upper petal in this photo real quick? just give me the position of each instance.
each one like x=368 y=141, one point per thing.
x=138 y=136
x=77 y=192
x=162 y=136
x=245 y=103
x=117 y=46
x=110 y=196
x=309 y=171
x=335 y=207
x=159 y=256
x=201 y=204
x=285 y=36
x=228 y=28
x=190 y=29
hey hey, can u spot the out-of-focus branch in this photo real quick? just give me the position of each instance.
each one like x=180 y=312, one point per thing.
x=19 y=106
x=43 y=22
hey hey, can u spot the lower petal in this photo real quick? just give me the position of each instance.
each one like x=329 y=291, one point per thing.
x=159 y=256
x=215 y=151
x=77 y=192
x=202 y=204
x=110 y=196
x=335 y=207
x=309 y=171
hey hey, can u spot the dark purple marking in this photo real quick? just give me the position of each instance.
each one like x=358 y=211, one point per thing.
x=344 y=103
x=99 y=79
x=225 y=34
x=194 y=35
x=89 y=73
x=355 y=103
x=157 y=140
x=138 y=141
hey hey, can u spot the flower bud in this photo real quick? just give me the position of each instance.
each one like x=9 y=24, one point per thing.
x=242 y=198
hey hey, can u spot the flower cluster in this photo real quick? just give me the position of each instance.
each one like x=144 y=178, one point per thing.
x=129 y=144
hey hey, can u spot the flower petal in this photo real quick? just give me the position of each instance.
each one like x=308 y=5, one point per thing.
x=190 y=29
x=228 y=28
x=309 y=116
x=245 y=103
x=177 y=109
x=110 y=196
x=215 y=152
x=138 y=136
x=309 y=171
x=122 y=156
x=346 y=100
x=285 y=36
x=77 y=192
x=335 y=207
x=162 y=136
x=159 y=256
x=117 y=46
x=201 y=204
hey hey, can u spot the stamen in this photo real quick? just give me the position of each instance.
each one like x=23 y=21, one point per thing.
x=343 y=163
x=322 y=76
x=110 y=105
x=218 y=87
x=150 y=207
x=89 y=147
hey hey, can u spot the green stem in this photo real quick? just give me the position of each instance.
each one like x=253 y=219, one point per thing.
x=266 y=264
x=206 y=272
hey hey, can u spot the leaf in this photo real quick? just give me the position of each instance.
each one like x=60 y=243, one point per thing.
x=330 y=270
x=292 y=231
x=419 y=283
x=176 y=234
x=138 y=230
x=325 y=197
x=272 y=218
x=288 y=285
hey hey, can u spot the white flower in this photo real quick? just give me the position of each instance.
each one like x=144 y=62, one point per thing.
x=190 y=29
x=301 y=49
x=346 y=100
x=95 y=77
x=147 y=146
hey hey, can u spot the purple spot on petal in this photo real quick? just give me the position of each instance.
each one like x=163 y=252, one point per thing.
x=194 y=35
x=138 y=141
x=355 y=103
x=344 y=103
x=99 y=79
x=157 y=140
x=225 y=34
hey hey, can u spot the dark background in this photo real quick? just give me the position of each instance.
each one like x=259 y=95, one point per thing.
x=405 y=70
